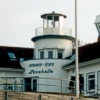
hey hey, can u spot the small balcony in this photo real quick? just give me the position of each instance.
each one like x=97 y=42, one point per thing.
x=53 y=31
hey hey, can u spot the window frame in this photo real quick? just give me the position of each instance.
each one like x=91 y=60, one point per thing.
x=89 y=89
x=61 y=52
x=49 y=57
x=11 y=56
x=40 y=57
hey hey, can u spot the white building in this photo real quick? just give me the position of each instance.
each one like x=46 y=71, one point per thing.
x=53 y=43
x=89 y=66
x=52 y=68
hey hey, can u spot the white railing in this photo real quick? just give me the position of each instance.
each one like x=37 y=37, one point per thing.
x=53 y=31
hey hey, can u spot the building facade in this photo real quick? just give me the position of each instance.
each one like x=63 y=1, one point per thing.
x=52 y=45
x=50 y=66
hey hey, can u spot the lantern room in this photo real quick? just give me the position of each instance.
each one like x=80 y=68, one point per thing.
x=53 y=20
x=53 y=24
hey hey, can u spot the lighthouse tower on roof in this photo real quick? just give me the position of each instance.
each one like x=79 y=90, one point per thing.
x=53 y=36
x=53 y=46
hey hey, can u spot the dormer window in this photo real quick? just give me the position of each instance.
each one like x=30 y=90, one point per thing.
x=11 y=56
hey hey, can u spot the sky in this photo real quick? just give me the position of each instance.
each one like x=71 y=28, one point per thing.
x=20 y=18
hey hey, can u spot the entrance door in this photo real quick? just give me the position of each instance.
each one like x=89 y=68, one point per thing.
x=81 y=83
x=34 y=85
x=28 y=84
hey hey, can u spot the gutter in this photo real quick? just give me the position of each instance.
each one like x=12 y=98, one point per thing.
x=12 y=70
x=82 y=64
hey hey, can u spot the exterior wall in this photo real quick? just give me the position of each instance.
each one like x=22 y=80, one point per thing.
x=48 y=69
x=10 y=80
x=53 y=44
x=85 y=71
x=10 y=74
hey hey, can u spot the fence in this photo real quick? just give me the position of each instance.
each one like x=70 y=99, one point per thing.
x=49 y=31
x=11 y=87
x=35 y=84
x=14 y=88
x=42 y=84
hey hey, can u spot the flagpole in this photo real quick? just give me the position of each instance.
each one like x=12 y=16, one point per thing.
x=76 y=51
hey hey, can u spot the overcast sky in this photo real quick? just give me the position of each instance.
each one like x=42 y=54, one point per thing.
x=20 y=18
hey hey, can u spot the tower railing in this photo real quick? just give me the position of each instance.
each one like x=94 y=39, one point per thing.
x=53 y=31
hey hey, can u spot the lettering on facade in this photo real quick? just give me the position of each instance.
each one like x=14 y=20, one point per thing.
x=40 y=71
x=41 y=64
x=35 y=65
x=49 y=64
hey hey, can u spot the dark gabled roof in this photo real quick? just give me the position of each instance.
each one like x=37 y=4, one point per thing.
x=89 y=52
x=16 y=53
x=86 y=53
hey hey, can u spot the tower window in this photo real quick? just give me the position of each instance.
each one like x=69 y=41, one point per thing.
x=50 y=21
x=56 y=21
x=41 y=54
x=60 y=54
x=50 y=54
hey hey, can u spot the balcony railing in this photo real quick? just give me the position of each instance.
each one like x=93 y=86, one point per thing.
x=53 y=31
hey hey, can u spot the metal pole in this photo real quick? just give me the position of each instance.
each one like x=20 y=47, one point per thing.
x=76 y=51
x=6 y=93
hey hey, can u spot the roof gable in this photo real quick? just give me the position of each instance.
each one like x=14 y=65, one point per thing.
x=10 y=57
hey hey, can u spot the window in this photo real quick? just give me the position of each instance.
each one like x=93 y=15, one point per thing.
x=19 y=84
x=34 y=85
x=8 y=87
x=11 y=56
x=99 y=26
x=56 y=21
x=60 y=54
x=21 y=59
x=16 y=84
x=50 y=21
x=50 y=54
x=91 y=81
x=98 y=77
x=45 y=22
x=41 y=54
